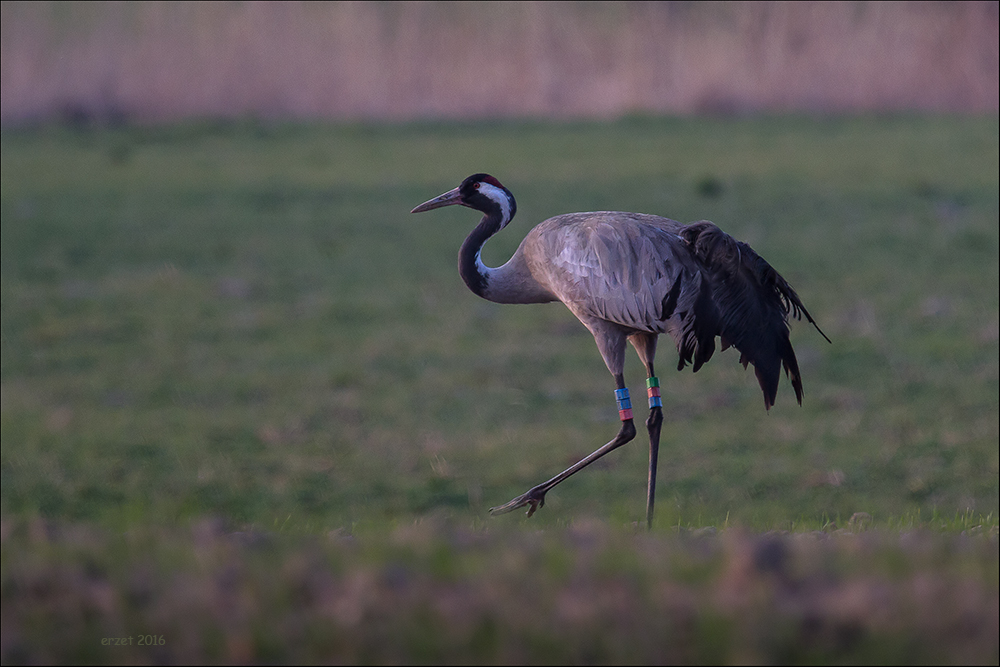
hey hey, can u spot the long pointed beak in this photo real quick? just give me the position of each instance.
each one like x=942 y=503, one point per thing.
x=449 y=198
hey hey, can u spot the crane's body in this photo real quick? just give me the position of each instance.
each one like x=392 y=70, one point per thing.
x=629 y=277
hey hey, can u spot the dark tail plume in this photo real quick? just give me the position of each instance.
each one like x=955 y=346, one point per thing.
x=752 y=303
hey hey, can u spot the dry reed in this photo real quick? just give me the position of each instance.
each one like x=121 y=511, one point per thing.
x=162 y=61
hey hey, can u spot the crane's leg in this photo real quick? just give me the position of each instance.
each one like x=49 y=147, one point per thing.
x=535 y=497
x=653 y=424
x=645 y=345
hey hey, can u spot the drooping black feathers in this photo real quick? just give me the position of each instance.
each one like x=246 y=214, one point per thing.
x=751 y=303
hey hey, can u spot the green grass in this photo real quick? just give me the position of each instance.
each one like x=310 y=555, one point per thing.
x=243 y=321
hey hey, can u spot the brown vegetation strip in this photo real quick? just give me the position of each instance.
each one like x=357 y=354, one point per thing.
x=431 y=592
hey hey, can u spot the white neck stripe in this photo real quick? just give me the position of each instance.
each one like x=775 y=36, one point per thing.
x=500 y=197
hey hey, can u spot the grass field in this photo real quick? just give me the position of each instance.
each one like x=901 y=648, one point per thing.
x=218 y=330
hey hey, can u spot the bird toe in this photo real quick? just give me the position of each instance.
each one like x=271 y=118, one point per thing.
x=533 y=499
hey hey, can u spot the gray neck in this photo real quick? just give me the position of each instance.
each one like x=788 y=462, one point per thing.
x=510 y=283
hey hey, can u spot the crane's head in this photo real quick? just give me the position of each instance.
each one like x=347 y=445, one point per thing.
x=481 y=192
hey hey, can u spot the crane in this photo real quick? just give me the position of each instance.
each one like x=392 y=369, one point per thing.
x=629 y=277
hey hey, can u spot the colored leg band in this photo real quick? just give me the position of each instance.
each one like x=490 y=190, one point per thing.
x=653 y=390
x=624 y=404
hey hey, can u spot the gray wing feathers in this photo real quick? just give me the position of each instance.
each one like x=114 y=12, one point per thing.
x=619 y=267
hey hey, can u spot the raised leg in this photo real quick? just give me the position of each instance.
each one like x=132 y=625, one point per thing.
x=535 y=497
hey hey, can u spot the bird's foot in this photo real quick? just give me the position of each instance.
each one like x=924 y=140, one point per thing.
x=534 y=499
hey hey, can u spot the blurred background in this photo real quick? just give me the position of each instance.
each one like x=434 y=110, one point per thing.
x=251 y=413
x=163 y=61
